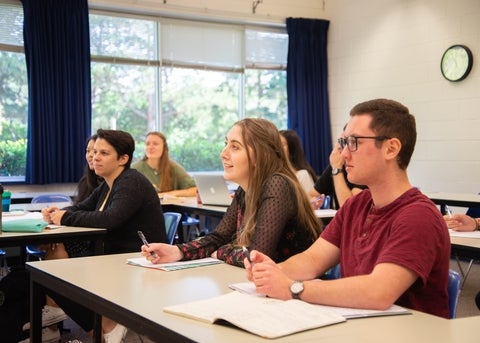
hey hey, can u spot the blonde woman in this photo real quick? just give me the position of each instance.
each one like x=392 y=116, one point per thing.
x=166 y=175
x=270 y=211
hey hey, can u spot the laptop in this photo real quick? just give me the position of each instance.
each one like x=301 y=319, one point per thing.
x=213 y=189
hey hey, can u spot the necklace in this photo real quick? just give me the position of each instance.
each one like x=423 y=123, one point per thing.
x=155 y=171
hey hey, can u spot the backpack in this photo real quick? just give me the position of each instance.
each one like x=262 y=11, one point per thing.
x=14 y=304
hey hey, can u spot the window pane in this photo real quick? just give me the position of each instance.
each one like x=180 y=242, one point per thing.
x=266 y=95
x=13 y=115
x=266 y=49
x=123 y=98
x=122 y=37
x=11 y=24
x=201 y=44
x=198 y=108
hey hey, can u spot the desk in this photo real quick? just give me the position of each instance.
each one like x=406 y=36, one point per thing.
x=62 y=234
x=135 y=297
x=465 y=247
x=190 y=205
x=454 y=199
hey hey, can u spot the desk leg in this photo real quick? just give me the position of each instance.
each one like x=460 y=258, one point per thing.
x=37 y=294
x=23 y=255
x=97 y=328
x=443 y=209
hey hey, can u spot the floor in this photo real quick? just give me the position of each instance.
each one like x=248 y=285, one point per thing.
x=466 y=307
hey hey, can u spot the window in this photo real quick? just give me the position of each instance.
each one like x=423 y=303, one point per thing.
x=191 y=80
x=192 y=83
x=13 y=94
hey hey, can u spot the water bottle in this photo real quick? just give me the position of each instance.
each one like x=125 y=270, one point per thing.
x=326 y=202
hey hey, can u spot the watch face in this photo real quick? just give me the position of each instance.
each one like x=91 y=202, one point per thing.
x=296 y=287
x=456 y=63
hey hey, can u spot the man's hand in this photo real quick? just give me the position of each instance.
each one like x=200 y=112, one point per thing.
x=267 y=276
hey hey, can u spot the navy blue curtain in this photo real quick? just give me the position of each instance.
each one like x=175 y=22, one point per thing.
x=57 y=53
x=307 y=88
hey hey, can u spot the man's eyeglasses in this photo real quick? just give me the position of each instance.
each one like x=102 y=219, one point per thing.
x=352 y=142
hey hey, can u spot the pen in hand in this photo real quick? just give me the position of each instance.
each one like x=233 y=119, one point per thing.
x=449 y=211
x=145 y=242
x=247 y=254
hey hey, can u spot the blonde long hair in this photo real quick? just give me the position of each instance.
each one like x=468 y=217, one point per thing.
x=263 y=138
x=164 y=165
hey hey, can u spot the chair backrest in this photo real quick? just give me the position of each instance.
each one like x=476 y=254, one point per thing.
x=453 y=292
x=46 y=198
x=333 y=273
x=172 y=219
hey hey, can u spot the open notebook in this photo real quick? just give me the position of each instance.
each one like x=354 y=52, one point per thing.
x=265 y=317
x=213 y=189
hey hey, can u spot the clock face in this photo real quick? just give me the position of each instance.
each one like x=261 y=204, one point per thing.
x=456 y=63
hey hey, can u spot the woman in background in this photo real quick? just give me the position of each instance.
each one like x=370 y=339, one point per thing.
x=166 y=175
x=123 y=203
x=89 y=180
x=270 y=212
x=294 y=151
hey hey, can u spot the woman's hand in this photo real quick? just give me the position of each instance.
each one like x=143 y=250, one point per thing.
x=56 y=216
x=161 y=253
x=47 y=214
x=317 y=202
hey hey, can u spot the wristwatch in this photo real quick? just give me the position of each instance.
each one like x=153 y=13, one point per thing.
x=296 y=288
x=335 y=171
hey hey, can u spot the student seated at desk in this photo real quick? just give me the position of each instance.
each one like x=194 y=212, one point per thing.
x=270 y=211
x=166 y=175
x=333 y=181
x=294 y=151
x=462 y=222
x=390 y=239
x=124 y=203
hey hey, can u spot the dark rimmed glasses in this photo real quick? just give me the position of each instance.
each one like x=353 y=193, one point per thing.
x=351 y=142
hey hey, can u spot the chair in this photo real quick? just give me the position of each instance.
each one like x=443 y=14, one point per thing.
x=172 y=219
x=191 y=228
x=333 y=273
x=3 y=263
x=453 y=292
x=33 y=250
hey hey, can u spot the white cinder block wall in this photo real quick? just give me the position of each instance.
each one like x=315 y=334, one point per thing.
x=392 y=49
x=384 y=48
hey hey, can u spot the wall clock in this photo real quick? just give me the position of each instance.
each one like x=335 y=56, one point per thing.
x=456 y=63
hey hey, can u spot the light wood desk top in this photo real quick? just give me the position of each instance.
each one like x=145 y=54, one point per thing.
x=135 y=297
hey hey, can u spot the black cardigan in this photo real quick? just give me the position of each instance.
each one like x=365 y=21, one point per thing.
x=132 y=205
